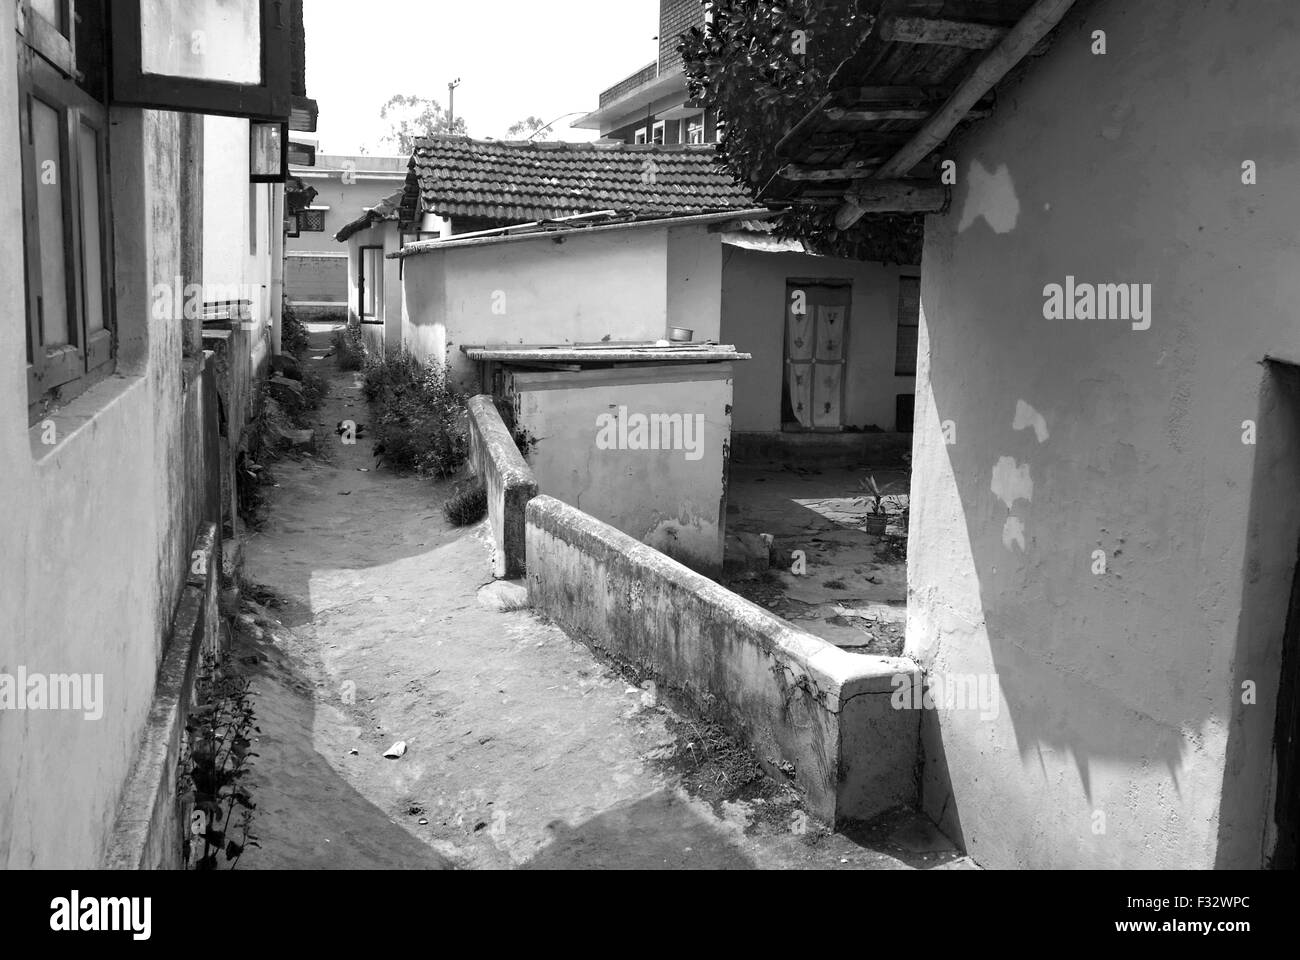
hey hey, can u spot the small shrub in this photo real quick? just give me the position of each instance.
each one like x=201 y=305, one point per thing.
x=293 y=333
x=422 y=425
x=349 y=346
x=314 y=390
x=466 y=506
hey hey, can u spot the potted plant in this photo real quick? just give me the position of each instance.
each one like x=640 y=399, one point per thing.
x=874 y=496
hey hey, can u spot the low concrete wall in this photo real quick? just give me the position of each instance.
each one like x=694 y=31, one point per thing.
x=794 y=698
x=150 y=816
x=850 y=449
x=510 y=484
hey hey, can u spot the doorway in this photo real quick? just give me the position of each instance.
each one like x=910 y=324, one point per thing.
x=815 y=369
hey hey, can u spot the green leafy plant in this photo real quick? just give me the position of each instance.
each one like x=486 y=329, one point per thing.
x=422 y=421
x=315 y=389
x=349 y=346
x=875 y=495
x=293 y=333
x=746 y=66
x=215 y=759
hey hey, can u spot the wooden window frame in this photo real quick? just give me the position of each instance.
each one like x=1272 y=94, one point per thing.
x=361 y=283
x=51 y=40
x=899 y=369
x=270 y=100
x=660 y=129
x=57 y=374
x=282 y=174
x=254 y=202
x=643 y=134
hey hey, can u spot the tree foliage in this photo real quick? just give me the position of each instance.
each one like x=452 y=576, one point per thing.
x=527 y=129
x=413 y=117
x=763 y=64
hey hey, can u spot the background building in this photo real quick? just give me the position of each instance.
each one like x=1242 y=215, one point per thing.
x=652 y=105
x=316 y=267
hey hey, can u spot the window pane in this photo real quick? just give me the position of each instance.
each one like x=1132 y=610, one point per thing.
x=266 y=149
x=91 y=48
x=49 y=213
x=202 y=39
x=909 y=319
x=92 y=254
x=372 y=281
x=252 y=218
x=51 y=10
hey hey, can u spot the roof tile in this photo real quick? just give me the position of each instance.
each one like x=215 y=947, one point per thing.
x=508 y=180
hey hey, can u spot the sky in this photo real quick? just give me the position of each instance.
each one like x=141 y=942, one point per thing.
x=514 y=58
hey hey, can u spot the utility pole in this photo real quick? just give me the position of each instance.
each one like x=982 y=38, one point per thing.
x=451 y=105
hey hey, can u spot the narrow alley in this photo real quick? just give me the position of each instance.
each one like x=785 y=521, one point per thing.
x=697 y=435
x=523 y=749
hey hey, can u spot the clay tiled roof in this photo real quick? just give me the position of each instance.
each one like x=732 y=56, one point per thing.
x=386 y=209
x=525 y=181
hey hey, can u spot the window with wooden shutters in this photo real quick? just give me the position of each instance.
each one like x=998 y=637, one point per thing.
x=909 y=322
x=67 y=235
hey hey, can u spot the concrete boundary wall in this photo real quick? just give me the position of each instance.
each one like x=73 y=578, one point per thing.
x=510 y=484
x=150 y=821
x=800 y=703
x=849 y=449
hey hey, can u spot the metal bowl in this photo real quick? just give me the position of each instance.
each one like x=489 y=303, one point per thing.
x=681 y=334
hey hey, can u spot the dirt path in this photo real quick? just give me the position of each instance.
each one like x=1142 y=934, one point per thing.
x=523 y=750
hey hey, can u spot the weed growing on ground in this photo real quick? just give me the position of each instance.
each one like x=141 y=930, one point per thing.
x=466 y=506
x=215 y=758
x=315 y=389
x=349 y=346
x=293 y=334
x=422 y=423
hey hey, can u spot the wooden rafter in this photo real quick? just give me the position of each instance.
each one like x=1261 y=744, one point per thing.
x=1032 y=28
x=864 y=116
x=811 y=173
x=947 y=33
x=900 y=196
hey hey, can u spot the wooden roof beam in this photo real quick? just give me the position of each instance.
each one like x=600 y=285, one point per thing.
x=898 y=196
x=863 y=119
x=898 y=93
x=1033 y=27
x=873 y=115
x=946 y=33
x=860 y=170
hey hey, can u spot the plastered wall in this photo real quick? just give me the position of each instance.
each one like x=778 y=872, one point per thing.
x=1087 y=524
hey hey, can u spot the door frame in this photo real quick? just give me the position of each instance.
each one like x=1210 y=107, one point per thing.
x=805 y=282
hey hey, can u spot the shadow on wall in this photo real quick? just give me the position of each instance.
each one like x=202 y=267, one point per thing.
x=1068 y=534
